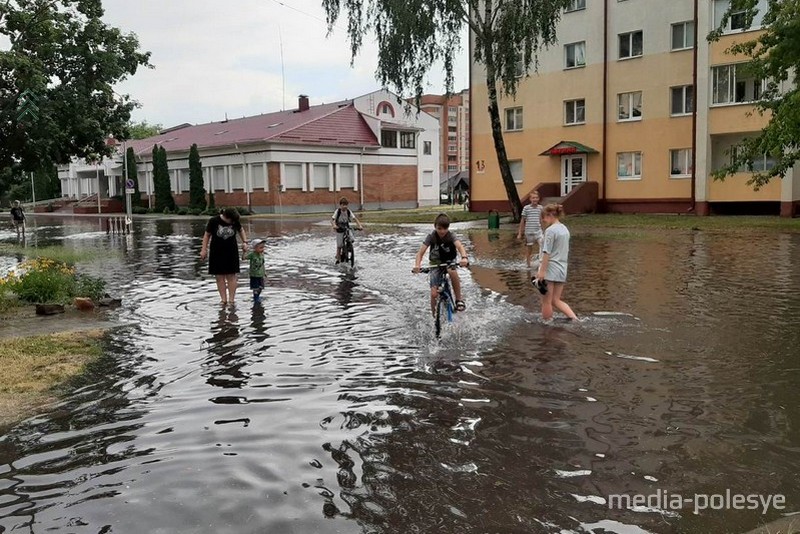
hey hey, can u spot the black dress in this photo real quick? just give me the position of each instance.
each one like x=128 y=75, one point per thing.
x=223 y=253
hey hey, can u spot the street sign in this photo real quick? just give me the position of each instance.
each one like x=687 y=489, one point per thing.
x=129 y=191
x=129 y=185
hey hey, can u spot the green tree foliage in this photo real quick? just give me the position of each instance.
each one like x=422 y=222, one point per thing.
x=143 y=130
x=415 y=35
x=60 y=64
x=197 y=190
x=133 y=174
x=161 y=182
x=774 y=57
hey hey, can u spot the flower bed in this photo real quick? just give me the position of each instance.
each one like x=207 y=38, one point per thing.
x=49 y=281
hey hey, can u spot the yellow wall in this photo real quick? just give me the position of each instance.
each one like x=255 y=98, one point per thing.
x=735 y=188
x=735 y=118
x=718 y=49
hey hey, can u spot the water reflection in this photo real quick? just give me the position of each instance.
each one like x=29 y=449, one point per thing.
x=330 y=406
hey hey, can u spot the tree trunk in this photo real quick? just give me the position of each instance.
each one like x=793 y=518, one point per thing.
x=497 y=135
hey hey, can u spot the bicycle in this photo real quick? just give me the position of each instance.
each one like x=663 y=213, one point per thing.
x=348 y=254
x=445 y=302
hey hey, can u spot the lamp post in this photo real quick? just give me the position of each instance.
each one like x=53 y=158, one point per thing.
x=97 y=175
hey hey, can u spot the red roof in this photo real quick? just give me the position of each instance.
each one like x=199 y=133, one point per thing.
x=338 y=124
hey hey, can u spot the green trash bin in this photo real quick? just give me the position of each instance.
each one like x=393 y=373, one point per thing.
x=494 y=220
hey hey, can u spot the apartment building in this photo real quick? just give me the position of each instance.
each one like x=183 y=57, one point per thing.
x=634 y=98
x=453 y=115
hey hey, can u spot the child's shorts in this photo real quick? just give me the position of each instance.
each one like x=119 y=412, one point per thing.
x=256 y=282
x=436 y=276
x=533 y=239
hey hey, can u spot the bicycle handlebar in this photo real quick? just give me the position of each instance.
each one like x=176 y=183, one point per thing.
x=448 y=266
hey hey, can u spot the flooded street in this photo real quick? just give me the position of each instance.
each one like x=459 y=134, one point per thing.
x=331 y=407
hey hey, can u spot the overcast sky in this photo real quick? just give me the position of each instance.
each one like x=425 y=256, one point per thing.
x=213 y=57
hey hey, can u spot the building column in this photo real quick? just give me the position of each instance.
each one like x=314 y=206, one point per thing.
x=790 y=192
x=702 y=102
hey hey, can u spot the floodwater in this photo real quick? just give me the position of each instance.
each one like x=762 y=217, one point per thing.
x=331 y=408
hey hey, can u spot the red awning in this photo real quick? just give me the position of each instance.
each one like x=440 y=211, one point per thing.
x=568 y=147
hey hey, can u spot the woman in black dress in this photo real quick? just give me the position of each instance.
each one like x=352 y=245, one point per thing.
x=223 y=260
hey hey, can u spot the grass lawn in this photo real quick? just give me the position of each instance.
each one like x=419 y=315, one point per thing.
x=33 y=368
x=686 y=222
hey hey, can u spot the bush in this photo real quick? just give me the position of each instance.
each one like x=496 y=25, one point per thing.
x=243 y=211
x=48 y=281
x=182 y=211
x=210 y=212
x=167 y=211
x=195 y=211
x=139 y=210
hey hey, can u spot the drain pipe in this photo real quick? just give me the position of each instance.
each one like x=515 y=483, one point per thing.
x=361 y=176
x=245 y=175
x=694 y=111
x=605 y=99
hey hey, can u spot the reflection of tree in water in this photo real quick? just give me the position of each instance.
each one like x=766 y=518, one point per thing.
x=227 y=359
x=344 y=290
x=164 y=249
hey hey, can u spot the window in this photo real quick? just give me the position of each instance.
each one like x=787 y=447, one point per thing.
x=427 y=178
x=452 y=167
x=683 y=35
x=389 y=139
x=630 y=44
x=575 y=55
x=575 y=5
x=516 y=170
x=575 y=111
x=682 y=100
x=629 y=166
x=426 y=148
x=629 y=106
x=760 y=163
x=237 y=178
x=737 y=21
x=219 y=179
x=293 y=175
x=183 y=180
x=452 y=129
x=451 y=148
x=347 y=176
x=320 y=176
x=680 y=162
x=452 y=110
x=408 y=140
x=732 y=84
x=513 y=119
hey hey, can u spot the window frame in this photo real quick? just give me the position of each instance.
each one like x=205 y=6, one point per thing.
x=575 y=5
x=629 y=36
x=521 y=169
x=405 y=136
x=631 y=117
x=574 y=104
x=687 y=162
x=685 y=46
x=566 y=55
x=517 y=114
x=684 y=89
x=427 y=148
x=385 y=136
x=758 y=87
x=632 y=177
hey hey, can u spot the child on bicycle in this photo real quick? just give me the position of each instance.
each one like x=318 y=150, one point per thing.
x=257 y=274
x=444 y=245
x=340 y=221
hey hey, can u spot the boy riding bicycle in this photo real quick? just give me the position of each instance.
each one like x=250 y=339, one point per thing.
x=340 y=221
x=444 y=245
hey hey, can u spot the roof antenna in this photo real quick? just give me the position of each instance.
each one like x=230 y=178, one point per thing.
x=283 y=74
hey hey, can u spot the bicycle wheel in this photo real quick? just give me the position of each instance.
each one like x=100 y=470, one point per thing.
x=440 y=315
x=351 y=253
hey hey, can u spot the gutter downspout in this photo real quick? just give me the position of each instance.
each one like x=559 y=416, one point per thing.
x=361 y=176
x=605 y=102
x=246 y=176
x=694 y=109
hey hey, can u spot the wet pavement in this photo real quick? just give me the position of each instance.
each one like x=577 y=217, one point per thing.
x=332 y=408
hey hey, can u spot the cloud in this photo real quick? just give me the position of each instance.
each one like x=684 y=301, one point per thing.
x=213 y=58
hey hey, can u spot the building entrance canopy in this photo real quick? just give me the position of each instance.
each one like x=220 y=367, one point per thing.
x=568 y=147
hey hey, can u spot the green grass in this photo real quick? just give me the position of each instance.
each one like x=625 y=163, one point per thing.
x=684 y=222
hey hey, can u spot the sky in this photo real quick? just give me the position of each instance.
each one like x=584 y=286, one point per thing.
x=218 y=57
